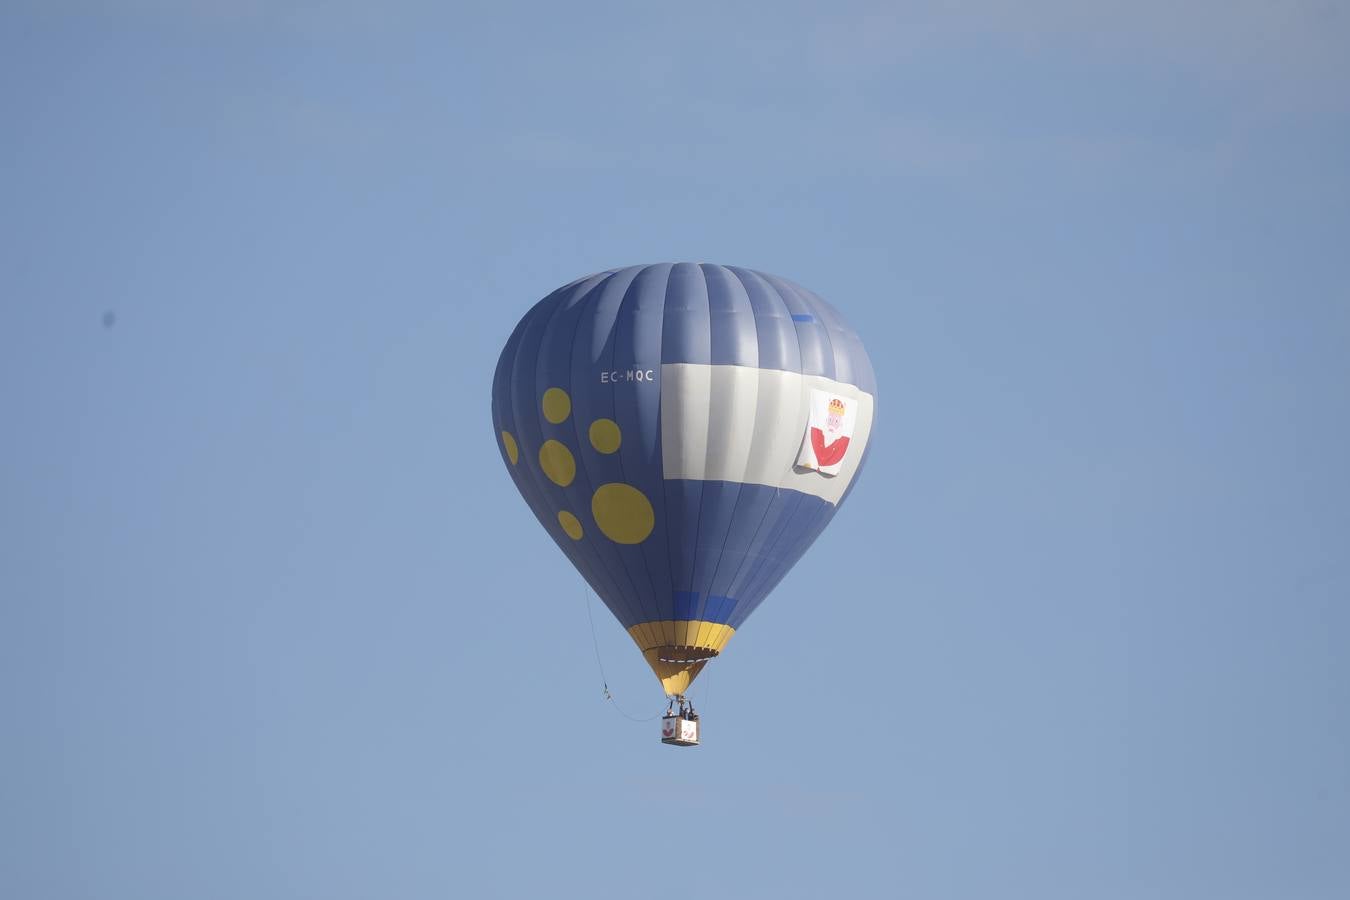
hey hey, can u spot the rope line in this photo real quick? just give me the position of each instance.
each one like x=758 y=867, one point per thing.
x=604 y=682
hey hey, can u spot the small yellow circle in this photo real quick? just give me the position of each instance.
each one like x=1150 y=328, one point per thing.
x=623 y=513
x=557 y=462
x=570 y=525
x=512 y=451
x=605 y=435
x=557 y=405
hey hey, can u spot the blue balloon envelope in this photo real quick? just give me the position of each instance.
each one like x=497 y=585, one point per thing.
x=684 y=432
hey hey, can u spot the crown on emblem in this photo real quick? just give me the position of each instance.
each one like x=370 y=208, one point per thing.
x=837 y=406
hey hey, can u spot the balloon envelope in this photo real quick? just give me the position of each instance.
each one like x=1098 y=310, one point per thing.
x=684 y=432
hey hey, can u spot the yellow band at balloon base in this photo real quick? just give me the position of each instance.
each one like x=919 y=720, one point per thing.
x=677 y=650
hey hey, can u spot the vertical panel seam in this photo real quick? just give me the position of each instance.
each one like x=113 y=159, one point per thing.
x=772 y=291
x=631 y=294
x=595 y=292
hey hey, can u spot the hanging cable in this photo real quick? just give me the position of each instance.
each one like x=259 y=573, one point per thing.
x=704 y=688
x=604 y=682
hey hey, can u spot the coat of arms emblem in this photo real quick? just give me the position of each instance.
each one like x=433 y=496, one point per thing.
x=828 y=430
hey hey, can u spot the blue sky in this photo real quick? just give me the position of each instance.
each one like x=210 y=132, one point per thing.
x=1079 y=632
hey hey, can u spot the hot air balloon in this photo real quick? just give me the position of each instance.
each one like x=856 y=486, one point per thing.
x=684 y=432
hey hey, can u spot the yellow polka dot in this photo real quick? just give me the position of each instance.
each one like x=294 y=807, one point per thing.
x=623 y=513
x=512 y=451
x=605 y=435
x=557 y=462
x=570 y=525
x=557 y=405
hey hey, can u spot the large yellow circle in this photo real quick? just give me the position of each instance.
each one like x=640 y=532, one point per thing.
x=512 y=451
x=557 y=405
x=623 y=513
x=570 y=524
x=557 y=462
x=605 y=435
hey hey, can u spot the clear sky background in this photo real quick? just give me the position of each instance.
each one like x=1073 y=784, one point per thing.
x=275 y=624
